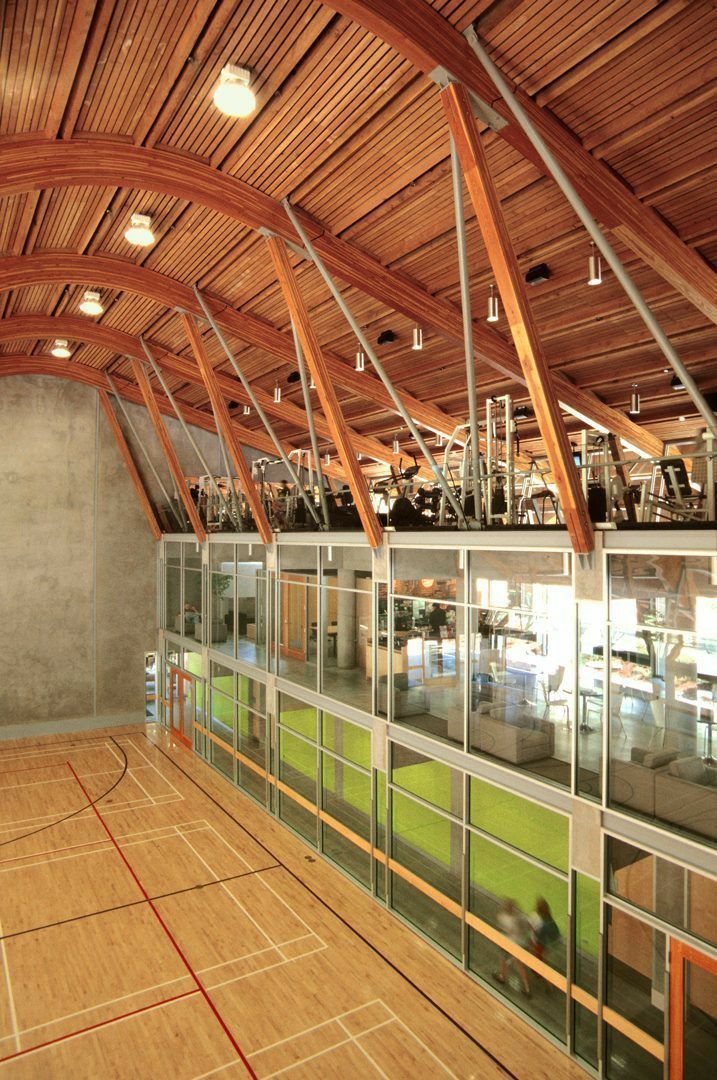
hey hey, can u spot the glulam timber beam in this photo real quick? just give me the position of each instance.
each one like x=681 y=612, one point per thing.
x=221 y=415
x=325 y=389
x=77 y=328
x=170 y=453
x=417 y=31
x=126 y=454
x=32 y=166
x=501 y=255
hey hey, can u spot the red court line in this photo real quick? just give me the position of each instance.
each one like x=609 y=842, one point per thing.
x=93 y=1027
x=166 y=929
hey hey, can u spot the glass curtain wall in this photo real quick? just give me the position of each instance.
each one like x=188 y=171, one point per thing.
x=237 y=743
x=346 y=621
x=183 y=589
x=663 y=688
x=238 y=593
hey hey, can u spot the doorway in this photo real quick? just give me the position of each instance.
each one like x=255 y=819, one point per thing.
x=693 y=1013
x=181 y=705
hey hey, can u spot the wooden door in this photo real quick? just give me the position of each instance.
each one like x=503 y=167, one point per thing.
x=693 y=1013
x=181 y=705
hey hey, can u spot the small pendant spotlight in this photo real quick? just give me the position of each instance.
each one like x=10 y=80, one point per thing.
x=439 y=439
x=90 y=304
x=327 y=458
x=635 y=401
x=234 y=96
x=396 y=445
x=594 y=266
x=676 y=383
x=312 y=384
x=417 y=339
x=360 y=364
x=60 y=348
x=277 y=394
x=247 y=410
x=492 y=315
x=140 y=230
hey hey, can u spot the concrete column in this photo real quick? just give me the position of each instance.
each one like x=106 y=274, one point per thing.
x=345 y=619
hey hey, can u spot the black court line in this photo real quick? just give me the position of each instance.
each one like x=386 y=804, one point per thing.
x=134 y=903
x=279 y=864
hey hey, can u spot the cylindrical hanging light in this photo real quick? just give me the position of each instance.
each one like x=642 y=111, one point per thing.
x=417 y=339
x=439 y=439
x=359 y=456
x=91 y=303
x=396 y=445
x=360 y=364
x=676 y=383
x=492 y=306
x=327 y=458
x=594 y=266
x=277 y=394
x=60 y=348
x=312 y=384
x=635 y=401
x=247 y=410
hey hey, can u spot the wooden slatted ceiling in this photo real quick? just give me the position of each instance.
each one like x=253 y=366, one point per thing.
x=351 y=160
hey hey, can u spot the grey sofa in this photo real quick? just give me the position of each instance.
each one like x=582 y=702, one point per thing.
x=632 y=783
x=514 y=735
x=686 y=795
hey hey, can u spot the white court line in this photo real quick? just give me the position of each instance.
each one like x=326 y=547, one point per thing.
x=10 y=995
x=420 y=1042
x=355 y=1039
x=109 y=1023
x=289 y=908
x=315 y=1027
x=64 y=779
x=269 y=967
x=151 y=765
x=45 y=751
x=247 y=956
x=221 y=1068
x=329 y=1049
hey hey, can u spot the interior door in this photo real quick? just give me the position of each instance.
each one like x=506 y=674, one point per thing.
x=181 y=705
x=294 y=617
x=693 y=1013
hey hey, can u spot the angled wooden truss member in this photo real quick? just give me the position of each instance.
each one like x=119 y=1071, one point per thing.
x=325 y=389
x=224 y=423
x=522 y=325
x=169 y=452
x=126 y=453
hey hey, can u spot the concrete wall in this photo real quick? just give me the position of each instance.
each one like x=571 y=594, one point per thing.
x=77 y=560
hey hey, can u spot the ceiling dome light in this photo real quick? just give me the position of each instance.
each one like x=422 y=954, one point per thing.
x=60 y=348
x=492 y=315
x=91 y=303
x=140 y=230
x=233 y=95
x=594 y=267
x=417 y=339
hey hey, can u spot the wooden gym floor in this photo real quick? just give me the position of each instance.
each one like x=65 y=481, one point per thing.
x=177 y=930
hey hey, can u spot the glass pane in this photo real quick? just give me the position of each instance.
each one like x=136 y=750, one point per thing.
x=346 y=567
x=298 y=716
x=193 y=604
x=523 y=824
x=433 y=920
x=538 y=581
x=380 y=827
x=586 y=1027
x=662 y=761
x=428 y=668
x=431 y=780
x=298 y=817
x=193 y=662
x=587 y=932
x=591 y=678
x=223 y=760
x=628 y=1061
x=700 y=1022
x=674 y=591
x=346 y=796
x=381 y=647
x=298 y=632
x=222 y=718
x=636 y=971
x=173 y=553
x=298 y=765
x=431 y=574
x=428 y=844
x=349 y=857
x=507 y=891
x=222 y=678
x=222 y=606
x=251 y=619
x=347 y=740
x=172 y=601
x=347 y=659
x=521 y=690
x=191 y=556
x=221 y=558
x=298 y=559
x=252 y=693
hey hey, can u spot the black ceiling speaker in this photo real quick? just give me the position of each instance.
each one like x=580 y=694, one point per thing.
x=536 y=274
x=386 y=337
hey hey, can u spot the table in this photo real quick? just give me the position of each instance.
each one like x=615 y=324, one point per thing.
x=587 y=693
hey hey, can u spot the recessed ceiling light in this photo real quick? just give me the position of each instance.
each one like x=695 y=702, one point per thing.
x=140 y=230
x=233 y=96
x=91 y=303
x=60 y=348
